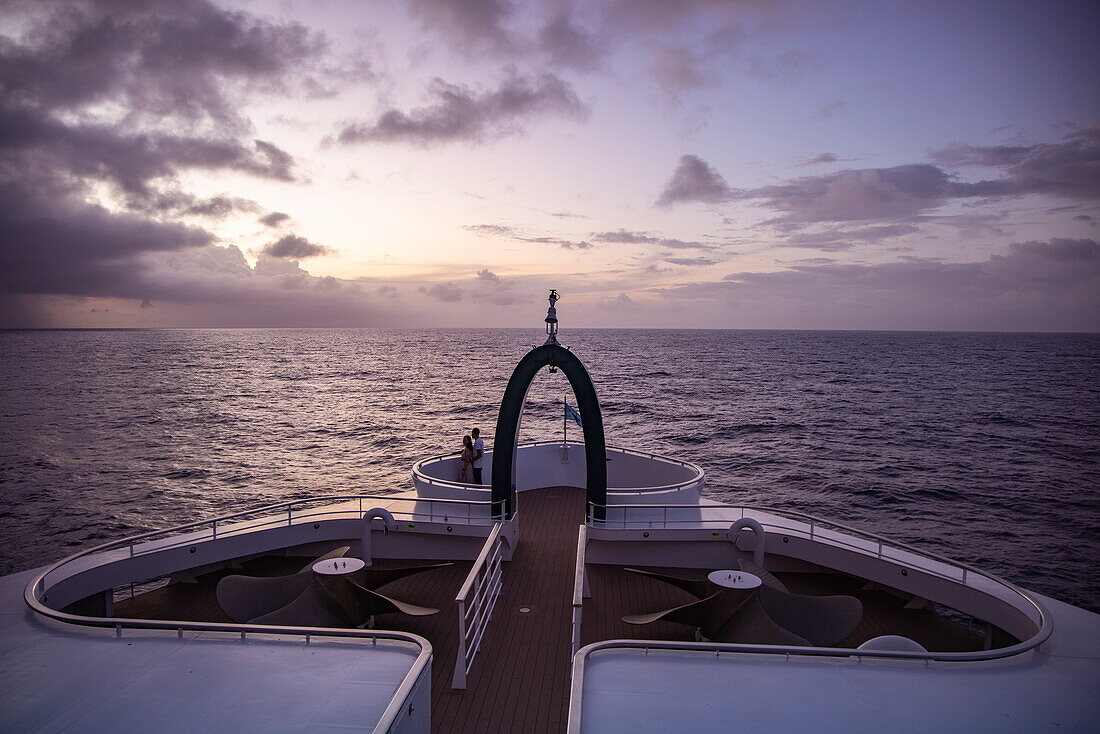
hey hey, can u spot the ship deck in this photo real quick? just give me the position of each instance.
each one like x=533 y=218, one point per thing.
x=520 y=678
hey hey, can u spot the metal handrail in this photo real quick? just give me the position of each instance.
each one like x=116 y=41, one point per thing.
x=1046 y=624
x=130 y=541
x=578 y=591
x=699 y=473
x=482 y=605
x=389 y=716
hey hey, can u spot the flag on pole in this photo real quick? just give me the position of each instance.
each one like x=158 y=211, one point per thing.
x=571 y=414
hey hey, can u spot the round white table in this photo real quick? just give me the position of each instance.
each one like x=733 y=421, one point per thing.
x=338 y=566
x=734 y=579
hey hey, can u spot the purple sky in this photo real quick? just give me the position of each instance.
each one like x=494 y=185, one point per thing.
x=669 y=163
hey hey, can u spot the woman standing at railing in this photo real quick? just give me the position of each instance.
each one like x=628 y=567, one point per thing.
x=466 y=461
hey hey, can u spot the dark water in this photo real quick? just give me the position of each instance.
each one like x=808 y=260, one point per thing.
x=984 y=447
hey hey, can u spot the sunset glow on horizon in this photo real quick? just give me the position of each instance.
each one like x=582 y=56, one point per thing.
x=687 y=163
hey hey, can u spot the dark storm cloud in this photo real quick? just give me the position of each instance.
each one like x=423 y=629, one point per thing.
x=293 y=247
x=458 y=113
x=128 y=160
x=64 y=246
x=131 y=95
x=163 y=57
x=694 y=181
x=1034 y=285
x=274 y=219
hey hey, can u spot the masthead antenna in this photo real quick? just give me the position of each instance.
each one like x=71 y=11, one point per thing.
x=552 y=318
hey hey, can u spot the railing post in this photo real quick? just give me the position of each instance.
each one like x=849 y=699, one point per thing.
x=459 y=678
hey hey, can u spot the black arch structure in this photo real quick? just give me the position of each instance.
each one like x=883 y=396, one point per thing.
x=508 y=420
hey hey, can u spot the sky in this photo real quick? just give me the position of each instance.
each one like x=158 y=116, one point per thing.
x=771 y=164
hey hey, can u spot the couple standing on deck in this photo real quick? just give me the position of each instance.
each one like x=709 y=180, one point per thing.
x=473 y=451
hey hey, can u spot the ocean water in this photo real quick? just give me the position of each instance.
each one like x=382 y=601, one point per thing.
x=983 y=447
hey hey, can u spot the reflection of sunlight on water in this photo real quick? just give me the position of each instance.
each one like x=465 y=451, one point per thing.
x=974 y=445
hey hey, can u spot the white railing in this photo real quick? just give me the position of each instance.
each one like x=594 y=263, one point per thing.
x=475 y=603
x=409 y=509
x=396 y=711
x=580 y=591
x=711 y=517
x=421 y=475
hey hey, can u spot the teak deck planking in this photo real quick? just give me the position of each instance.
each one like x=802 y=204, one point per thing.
x=519 y=680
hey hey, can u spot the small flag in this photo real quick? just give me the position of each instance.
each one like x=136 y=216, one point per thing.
x=571 y=414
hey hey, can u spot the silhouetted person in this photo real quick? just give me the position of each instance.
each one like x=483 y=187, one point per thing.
x=479 y=452
x=466 y=461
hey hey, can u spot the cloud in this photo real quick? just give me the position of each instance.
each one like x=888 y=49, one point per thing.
x=458 y=113
x=293 y=247
x=678 y=69
x=820 y=159
x=694 y=181
x=783 y=68
x=106 y=106
x=693 y=261
x=828 y=109
x=446 y=292
x=570 y=46
x=219 y=207
x=836 y=239
x=468 y=26
x=274 y=219
x=511 y=233
x=182 y=58
x=58 y=245
x=626 y=237
x=488 y=276
x=1069 y=168
x=878 y=193
x=1033 y=285
x=46 y=146
x=906 y=192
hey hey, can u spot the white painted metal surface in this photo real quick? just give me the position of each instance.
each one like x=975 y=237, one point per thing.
x=626 y=687
x=634 y=474
x=338 y=566
x=733 y=579
x=59 y=676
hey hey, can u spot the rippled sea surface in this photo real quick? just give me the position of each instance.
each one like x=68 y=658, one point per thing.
x=983 y=447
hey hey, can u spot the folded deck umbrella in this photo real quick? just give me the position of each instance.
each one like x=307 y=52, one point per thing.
x=309 y=599
x=771 y=616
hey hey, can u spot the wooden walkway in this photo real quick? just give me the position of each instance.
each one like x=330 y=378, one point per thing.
x=519 y=681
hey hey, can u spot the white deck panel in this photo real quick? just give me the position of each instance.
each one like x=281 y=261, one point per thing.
x=59 y=677
x=1056 y=689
